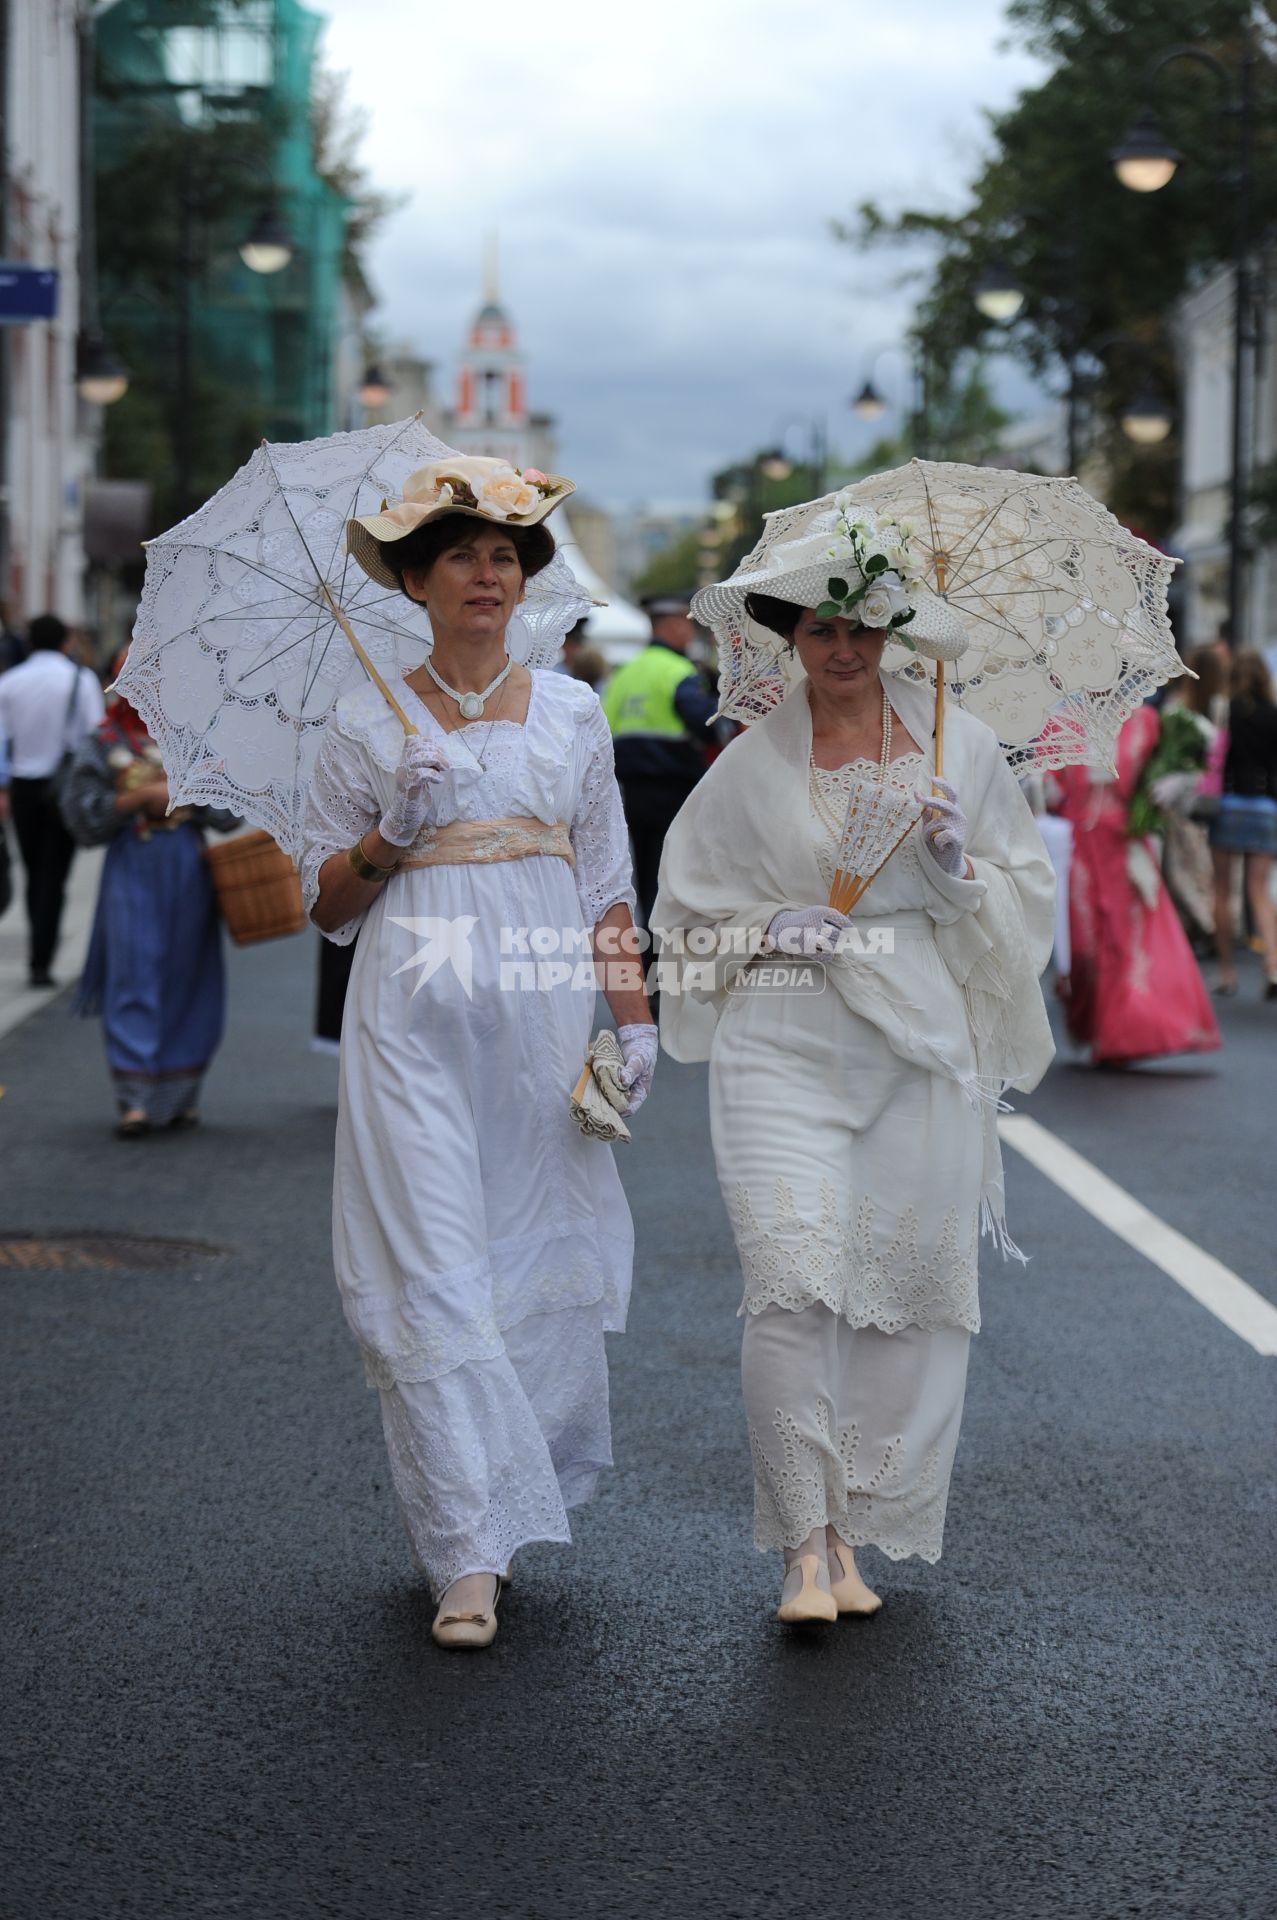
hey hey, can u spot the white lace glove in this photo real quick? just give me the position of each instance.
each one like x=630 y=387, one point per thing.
x=1173 y=791
x=421 y=767
x=944 y=828
x=805 y=932
x=639 y=1046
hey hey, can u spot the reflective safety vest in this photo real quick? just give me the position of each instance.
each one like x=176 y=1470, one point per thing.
x=639 y=697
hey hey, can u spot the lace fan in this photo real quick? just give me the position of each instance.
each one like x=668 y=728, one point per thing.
x=879 y=819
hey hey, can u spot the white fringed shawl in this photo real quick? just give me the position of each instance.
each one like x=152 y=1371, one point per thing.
x=742 y=848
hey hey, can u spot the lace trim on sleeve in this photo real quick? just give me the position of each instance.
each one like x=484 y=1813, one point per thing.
x=600 y=837
x=340 y=808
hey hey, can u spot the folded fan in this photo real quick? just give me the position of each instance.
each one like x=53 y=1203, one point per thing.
x=878 y=820
x=598 y=1096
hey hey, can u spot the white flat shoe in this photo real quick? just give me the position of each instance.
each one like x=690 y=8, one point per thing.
x=850 y=1593
x=811 y=1602
x=467 y=1631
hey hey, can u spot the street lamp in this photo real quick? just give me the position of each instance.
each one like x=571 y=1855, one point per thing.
x=269 y=247
x=998 y=294
x=868 y=403
x=100 y=377
x=373 y=390
x=1148 y=419
x=871 y=404
x=1145 y=162
x=775 y=464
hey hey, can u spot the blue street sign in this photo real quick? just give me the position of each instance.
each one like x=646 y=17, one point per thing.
x=27 y=293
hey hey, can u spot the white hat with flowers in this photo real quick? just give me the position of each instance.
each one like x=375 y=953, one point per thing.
x=478 y=485
x=841 y=559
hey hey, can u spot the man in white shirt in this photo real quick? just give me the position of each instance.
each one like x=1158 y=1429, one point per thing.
x=47 y=706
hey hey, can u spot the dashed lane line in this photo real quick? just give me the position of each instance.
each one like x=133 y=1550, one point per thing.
x=1230 y=1298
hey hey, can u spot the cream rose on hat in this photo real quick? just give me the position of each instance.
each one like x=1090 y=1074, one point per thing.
x=476 y=484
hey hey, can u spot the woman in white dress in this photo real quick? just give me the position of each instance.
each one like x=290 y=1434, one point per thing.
x=853 y=1089
x=482 y=1245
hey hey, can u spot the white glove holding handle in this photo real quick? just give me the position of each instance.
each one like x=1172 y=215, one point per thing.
x=421 y=767
x=639 y=1047
x=944 y=828
x=805 y=932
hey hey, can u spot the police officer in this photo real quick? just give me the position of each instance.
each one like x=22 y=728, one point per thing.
x=659 y=710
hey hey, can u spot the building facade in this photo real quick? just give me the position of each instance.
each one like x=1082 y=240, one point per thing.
x=1203 y=328
x=203 y=129
x=47 y=435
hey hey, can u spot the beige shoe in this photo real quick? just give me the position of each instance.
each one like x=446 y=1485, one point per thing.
x=850 y=1593
x=811 y=1602
x=466 y=1630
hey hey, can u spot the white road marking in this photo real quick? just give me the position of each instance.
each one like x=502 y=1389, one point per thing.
x=1230 y=1298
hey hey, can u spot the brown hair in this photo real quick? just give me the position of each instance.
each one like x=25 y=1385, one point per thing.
x=418 y=550
x=1212 y=679
x=1252 y=682
x=778 y=616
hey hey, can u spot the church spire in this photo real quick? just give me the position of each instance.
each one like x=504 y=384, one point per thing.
x=491 y=273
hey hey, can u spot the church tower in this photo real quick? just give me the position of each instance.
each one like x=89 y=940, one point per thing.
x=491 y=411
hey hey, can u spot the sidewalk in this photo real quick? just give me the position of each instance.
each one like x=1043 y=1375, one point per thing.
x=17 y=1000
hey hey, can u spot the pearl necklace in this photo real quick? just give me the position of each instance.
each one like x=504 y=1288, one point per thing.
x=471 y=704
x=884 y=761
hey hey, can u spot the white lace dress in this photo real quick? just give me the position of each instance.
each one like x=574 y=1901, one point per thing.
x=482 y=1246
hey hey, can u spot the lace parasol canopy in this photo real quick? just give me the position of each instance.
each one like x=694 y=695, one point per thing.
x=1064 y=608
x=241 y=650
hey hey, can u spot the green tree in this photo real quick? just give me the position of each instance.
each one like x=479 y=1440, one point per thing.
x=1100 y=266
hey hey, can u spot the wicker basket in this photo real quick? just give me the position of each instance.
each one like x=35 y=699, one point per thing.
x=257 y=888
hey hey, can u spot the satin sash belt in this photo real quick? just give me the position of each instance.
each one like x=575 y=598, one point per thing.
x=477 y=842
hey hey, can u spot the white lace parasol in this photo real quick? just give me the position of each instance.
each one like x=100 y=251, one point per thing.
x=240 y=651
x=1065 y=610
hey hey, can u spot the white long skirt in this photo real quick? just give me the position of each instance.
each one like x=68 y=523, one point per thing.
x=853 y=1179
x=851 y=1428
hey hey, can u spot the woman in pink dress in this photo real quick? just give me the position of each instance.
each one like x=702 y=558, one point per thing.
x=1134 y=988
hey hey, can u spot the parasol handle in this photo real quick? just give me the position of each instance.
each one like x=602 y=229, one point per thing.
x=366 y=663
x=941 y=564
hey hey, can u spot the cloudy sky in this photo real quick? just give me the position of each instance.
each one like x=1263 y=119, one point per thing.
x=662 y=177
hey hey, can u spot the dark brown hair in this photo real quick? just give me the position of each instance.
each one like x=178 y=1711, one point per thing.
x=778 y=616
x=422 y=547
x=1212 y=679
x=1251 y=682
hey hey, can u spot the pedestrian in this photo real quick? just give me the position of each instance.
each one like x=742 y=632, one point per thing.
x=1245 y=824
x=1189 y=799
x=483 y=1246
x=853 y=1103
x=659 y=710
x=47 y=706
x=1133 y=989
x=154 y=965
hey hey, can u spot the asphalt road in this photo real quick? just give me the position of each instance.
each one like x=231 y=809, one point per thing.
x=223 y=1696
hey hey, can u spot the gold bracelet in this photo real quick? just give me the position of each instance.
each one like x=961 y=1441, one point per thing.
x=365 y=868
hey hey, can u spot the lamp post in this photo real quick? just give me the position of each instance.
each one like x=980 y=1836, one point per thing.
x=869 y=403
x=776 y=464
x=373 y=390
x=999 y=296
x=1145 y=162
x=267 y=249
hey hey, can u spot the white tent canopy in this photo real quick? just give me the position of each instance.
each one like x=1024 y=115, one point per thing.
x=618 y=629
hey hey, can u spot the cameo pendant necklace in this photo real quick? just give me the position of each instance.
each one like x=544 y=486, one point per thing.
x=470 y=704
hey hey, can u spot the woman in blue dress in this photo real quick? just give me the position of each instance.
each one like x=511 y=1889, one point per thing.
x=154 y=966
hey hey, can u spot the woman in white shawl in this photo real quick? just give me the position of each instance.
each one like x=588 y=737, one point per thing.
x=853 y=1087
